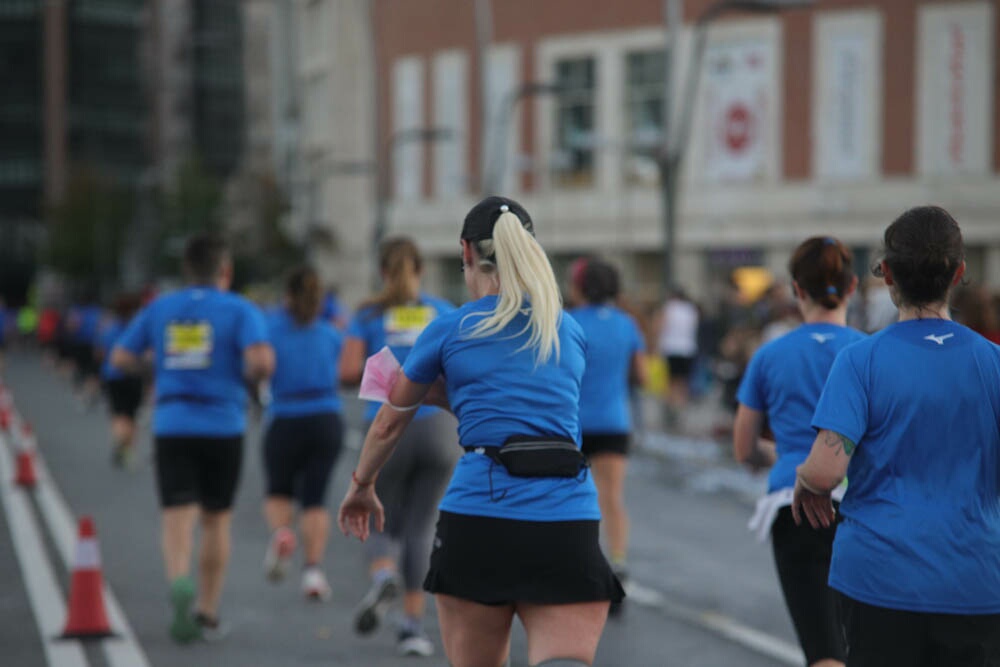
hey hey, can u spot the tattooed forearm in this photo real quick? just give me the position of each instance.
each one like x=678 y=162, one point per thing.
x=838 y=443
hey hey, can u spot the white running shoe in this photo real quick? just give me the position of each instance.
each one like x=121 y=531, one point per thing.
x=315 y=586
x=279 y=554
x=375 y=603
x=416 y=644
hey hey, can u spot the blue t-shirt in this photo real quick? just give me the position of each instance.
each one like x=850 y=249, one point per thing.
x=305 y=374
x=496 y=390
x=397 y=327
x=198 y=336
x=921 y=528
x=84 y=323
x=784 y=379
x=111 y=330
x=613 y=339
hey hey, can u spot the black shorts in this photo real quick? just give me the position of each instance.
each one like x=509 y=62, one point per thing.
x=605 y=443
x=802 y=556
x=505 y=561
x=83 y=357
x=299 y=454
x=679 y=367
x=124 y=396
x=883 y=637
x=202 y=470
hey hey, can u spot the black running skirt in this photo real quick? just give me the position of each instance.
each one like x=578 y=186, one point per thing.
x=505 y=561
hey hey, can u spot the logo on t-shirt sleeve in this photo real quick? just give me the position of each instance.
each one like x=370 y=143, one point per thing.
x=403 y=324
x=188 y=346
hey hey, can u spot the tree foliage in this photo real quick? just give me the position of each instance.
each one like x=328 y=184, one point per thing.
x=87 y=229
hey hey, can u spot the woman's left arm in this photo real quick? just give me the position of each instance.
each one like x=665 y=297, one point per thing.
x=360 y=502
x=817 y=477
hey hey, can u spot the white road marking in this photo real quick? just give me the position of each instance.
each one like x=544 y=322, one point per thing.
x=123 y=650
x=39 y=579
x=729 y=628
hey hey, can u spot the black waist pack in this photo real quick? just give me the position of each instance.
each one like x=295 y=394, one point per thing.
x=537 y=456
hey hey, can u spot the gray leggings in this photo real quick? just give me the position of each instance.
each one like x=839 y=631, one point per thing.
x=410 y=486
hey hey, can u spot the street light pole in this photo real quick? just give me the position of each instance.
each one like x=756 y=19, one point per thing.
x=496 y=162
x=675 y=140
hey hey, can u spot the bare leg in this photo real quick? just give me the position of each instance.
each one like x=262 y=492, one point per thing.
x=414 y=604
x=177 y=539
x=278 y=512
x=383 y=563
x=315 y=530
x=827 y=663
x=213 y=559
x=609 y=469
x=123 y=431
x=474 y=635
x=563 y=631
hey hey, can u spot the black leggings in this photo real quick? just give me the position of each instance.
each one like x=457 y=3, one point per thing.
x=299 y=454
x=802 y=556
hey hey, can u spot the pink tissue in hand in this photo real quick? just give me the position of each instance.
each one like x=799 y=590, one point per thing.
x=381 y=371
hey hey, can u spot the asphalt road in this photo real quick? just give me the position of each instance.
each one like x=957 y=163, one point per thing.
x=709 y=596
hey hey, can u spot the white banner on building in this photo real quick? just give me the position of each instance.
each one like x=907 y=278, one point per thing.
x=956 y=88
x=738 y=92
x=407 y=157
x=450 y=113
x=847 y=96
x=503 y=77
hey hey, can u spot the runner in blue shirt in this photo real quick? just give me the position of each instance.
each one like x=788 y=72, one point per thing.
x=124 y=391
x=304 y=432
x=782 y=384
x=615 y=359
x=518 y=527
x=206 y=343
x=413 y=480
x=83 y=324
x=911 y=416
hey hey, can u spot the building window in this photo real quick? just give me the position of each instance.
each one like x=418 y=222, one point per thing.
x=644 y=78
x=573 y=158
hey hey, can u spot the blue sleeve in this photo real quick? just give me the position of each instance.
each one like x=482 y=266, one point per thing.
x=843 y=405
x=336 y=342
x=253 y=327
x=753 y=391
x=638 y=343
x=423 y=363
x=138 y=336
x=356 y=327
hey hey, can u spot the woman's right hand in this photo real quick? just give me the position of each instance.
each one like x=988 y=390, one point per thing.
x=359 y=505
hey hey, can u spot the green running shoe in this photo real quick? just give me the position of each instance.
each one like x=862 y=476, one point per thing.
x=183 y=628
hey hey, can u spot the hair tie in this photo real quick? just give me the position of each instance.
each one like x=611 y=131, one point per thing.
x=504 y=208
x=829 y=240
x=830 y=289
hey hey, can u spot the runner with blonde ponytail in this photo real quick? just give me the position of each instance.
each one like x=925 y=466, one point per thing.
x=521 y=505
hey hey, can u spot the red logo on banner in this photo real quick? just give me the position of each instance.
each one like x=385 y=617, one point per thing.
x=738 y=127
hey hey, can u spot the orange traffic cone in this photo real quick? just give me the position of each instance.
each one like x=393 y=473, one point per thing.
x=26 y=469
x=87 y=617
x=26 y=476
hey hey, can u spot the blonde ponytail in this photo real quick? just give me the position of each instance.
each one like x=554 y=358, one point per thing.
x=525 y=275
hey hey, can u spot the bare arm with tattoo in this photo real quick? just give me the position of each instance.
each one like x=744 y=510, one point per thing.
x=819 y=475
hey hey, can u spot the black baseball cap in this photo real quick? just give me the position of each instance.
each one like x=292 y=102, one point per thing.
x=481 y=219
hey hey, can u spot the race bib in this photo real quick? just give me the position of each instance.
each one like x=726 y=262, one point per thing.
x=404 y=323
x=188 y=346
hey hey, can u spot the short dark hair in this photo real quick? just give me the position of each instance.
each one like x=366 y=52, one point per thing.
x=598 y=281
x=923 y=249
x=821 y=266
x=204 y=255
